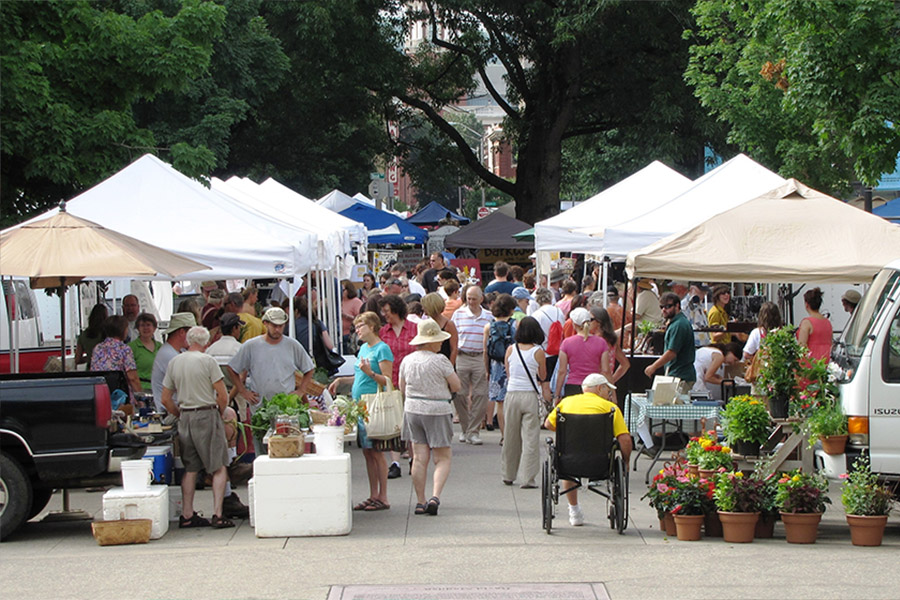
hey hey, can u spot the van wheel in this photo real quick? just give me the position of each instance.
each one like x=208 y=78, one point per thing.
x=15 y=496
x=40 y=498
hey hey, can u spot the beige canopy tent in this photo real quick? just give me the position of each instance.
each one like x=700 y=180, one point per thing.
x=792 y=233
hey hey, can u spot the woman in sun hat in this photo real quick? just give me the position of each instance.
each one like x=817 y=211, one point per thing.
x=428 y=382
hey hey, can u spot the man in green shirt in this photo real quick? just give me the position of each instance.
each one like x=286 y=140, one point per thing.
x=678 y=356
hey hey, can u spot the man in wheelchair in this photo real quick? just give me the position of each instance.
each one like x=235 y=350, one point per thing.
x=595 y=388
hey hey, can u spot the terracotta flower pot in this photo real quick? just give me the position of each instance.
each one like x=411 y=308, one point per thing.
x=670 y=525
x=688 y=527
x=738 y=528
x=834 y=444
x=866 y=530
x=706 y=473
x=801 y=528
x=694 y=470
x=712 y=526
x=765 y=527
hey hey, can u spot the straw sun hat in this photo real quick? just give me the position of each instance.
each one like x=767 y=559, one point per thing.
x=429 y=331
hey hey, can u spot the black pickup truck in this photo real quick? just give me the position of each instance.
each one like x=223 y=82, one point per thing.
x=54 y=434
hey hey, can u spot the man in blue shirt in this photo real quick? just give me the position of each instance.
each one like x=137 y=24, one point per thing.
x=501 y=283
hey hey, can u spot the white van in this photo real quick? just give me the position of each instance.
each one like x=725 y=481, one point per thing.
x=870 y=395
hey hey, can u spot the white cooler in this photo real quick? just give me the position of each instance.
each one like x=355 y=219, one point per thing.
x=305 y=496
x=152 y=504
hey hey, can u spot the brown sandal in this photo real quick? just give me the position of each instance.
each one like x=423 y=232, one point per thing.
x=365 y=504
x=377 y=505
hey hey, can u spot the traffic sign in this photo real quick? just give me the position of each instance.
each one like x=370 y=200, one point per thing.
x=483 y=211
x=490 y=203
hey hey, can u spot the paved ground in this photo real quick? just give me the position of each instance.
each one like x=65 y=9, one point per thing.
x=486 y=533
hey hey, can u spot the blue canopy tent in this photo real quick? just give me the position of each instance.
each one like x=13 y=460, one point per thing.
x=383 y=227
x=433 y=214
x=889 y=211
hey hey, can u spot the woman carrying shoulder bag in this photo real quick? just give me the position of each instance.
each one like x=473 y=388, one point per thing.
x=526 y=369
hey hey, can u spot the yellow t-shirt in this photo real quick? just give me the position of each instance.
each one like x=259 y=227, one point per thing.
x=589 y=404
x=253 y=326
x=717 y=316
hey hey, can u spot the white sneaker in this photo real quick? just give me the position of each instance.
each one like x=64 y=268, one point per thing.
x=576 y=517
x=475 y=439
x=462 y=438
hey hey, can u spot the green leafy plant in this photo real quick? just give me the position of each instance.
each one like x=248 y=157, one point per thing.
x=781 y=355
x=799 y=492
x=764 y=473
x=715 y=457
x=736 y=493
x=861 y=493
x=825 y=420
x=745 y=418
x=347 y=411
x=280 y=404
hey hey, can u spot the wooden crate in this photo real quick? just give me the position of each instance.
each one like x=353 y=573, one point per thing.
x=123 y=531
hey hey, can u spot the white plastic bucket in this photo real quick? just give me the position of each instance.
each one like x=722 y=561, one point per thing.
x=329 y=440
x=137 y=475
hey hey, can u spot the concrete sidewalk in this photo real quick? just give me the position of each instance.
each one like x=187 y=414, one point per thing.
x=486 y=533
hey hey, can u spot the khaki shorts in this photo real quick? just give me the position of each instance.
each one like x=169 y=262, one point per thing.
x=201 y=434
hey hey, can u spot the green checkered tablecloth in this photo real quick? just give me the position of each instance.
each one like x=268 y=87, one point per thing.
x=641 y=409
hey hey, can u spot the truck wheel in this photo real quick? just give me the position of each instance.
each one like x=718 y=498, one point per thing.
x=39 y=501
x=15 y=496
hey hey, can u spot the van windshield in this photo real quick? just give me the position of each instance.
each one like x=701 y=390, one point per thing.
x=886 y=285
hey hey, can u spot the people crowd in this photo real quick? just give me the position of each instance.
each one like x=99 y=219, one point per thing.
x=467 y=357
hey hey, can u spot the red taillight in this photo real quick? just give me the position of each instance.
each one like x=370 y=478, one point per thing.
x=102 y=405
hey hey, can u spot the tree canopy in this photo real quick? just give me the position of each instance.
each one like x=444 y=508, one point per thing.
x=71 y=74
x=809 y=87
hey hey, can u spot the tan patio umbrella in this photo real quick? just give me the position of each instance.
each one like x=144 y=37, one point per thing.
x=64 y=249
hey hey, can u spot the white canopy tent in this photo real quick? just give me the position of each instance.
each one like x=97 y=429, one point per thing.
x=338 y=201
x=152 y=202
x=731 y=184
x=635 y=195
x=789 y=234
x=290 y=200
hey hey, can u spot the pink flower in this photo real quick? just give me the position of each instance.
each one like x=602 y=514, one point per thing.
x=844 y=476
x=662 y=487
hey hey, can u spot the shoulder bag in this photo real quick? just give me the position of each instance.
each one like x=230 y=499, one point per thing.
x=385 y=409
x=544 y=408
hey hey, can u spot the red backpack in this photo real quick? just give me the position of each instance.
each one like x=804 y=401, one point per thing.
x=554 y=338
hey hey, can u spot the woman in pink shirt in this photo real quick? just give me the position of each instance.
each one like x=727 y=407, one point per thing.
x=815 y=330
x=350 y=307
x=580 y=355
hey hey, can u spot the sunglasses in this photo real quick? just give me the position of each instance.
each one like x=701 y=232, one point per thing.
x=667 y=306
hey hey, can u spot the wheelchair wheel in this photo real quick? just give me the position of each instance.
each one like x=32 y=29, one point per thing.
x=547 y=502
x=618 y=518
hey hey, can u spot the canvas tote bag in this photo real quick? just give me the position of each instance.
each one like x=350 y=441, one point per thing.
x=385 y=413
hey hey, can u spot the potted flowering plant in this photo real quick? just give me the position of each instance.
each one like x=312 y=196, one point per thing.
x=739 y=501
x=693 y=498
x=780 y=364
x=867 y=503
x=745 y=423
x=661 y=494
x=713 y=458
x=695 y=447
x=347 y=412
x=828 y=423
x=801 y=500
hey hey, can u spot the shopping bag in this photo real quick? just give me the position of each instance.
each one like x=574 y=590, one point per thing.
x=385 y=410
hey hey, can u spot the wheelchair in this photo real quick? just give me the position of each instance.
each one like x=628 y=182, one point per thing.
x=586 y=448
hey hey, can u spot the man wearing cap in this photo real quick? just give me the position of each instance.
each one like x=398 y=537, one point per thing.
x=228 y=345
x=593 y=400
x=647 y=304
x=679 y=352
x=472 y=365
x=176 y=341
x=271 y=361
x=202 y=400
x=849 y=300
x=525 y=304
